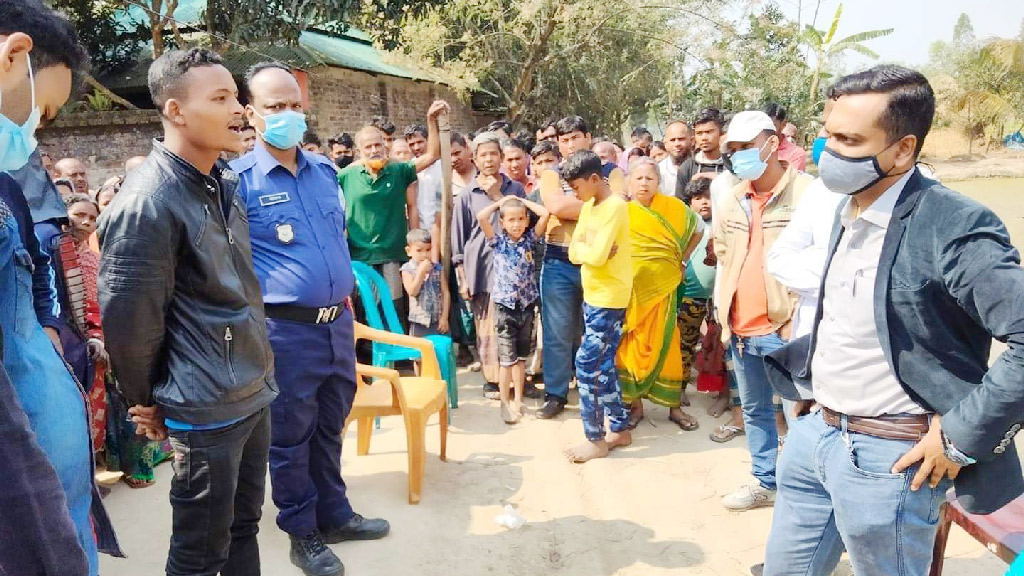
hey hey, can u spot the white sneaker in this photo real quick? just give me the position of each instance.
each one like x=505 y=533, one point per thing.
x=749 y=497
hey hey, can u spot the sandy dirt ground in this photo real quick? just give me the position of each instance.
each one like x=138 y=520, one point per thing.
x=651 y=509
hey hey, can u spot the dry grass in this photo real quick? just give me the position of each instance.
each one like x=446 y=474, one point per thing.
x=943 y=143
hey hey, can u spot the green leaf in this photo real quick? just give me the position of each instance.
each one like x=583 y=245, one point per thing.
x=865 y=36
x=835 y=24
x=839 y=48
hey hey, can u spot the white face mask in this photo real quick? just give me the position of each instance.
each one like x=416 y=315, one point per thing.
x=17 y=143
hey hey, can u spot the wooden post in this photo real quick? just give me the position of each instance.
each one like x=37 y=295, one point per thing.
x=445 y=132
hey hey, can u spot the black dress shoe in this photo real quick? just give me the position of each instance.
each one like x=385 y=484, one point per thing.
x=314 y=558
x=491 y=391
x=757 y=570
x=358 y=528
x=552 y=407
x=531 y=391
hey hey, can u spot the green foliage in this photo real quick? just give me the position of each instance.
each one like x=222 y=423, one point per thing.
x=604 y=59
x=826 y=48
x=110 y=44
x=99 y=101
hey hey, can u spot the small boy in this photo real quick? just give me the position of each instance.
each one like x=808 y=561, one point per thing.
x=600 y=244
x=514 y=293
x=426 y=285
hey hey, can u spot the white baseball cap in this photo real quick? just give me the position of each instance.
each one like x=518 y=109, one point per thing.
x=745 y=126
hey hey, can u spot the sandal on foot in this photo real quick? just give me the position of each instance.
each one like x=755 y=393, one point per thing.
x=726 y=432
x=137 y=482
x=683 y=425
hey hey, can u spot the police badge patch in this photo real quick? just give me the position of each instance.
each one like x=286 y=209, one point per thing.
x=285 y=233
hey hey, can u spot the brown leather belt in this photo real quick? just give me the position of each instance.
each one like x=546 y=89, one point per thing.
x=900 y=427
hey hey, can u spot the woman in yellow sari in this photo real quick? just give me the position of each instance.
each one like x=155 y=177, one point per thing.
x=662 y=230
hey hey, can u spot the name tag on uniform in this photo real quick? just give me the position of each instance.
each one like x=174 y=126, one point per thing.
x=271 y=199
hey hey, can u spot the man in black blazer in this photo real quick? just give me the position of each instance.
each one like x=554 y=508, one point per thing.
x=918 y=281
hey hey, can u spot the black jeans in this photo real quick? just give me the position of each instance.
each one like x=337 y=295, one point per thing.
x=217 y=498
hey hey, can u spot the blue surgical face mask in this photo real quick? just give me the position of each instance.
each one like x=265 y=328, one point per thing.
x=17 y=143
x=818 y=148
x=284 y=129
x=747 y=164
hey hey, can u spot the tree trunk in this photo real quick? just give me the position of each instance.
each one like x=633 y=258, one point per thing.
x=537 y=50
x=106 y=92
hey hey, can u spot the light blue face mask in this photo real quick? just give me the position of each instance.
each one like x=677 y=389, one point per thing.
x=284 y=129
x=747 y=164
x=818 y=148
x=17 y=143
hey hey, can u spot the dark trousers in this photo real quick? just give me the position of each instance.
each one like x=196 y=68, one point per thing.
x=217 y=498
x=315 y=366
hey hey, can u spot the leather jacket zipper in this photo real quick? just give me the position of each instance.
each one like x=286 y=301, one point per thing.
x=228 y=337
x=202 y=227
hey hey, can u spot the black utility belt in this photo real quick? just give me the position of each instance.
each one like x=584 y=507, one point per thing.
x=324 y=315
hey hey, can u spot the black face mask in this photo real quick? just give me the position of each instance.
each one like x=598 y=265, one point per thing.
x=343 y=161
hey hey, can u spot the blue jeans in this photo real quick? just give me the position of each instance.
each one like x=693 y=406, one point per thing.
x=748 y=354
x=836 y=489
x=561 y=292
x=596 y=373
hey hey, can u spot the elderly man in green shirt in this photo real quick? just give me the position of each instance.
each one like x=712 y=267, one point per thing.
x=380 y=200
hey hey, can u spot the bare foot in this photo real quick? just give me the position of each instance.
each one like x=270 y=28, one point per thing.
x=684 y=400
x=618 y=439
x=518 y=408
x=507 y=415
x=719 y=407
x=587 y=451
x=636 y=413
x=683 y=420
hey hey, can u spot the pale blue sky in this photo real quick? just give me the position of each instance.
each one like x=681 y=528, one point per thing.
x=917 y=23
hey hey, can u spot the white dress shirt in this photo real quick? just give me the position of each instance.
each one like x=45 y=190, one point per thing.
x=669 y=174
x=428 y=194
x=797 y=258
x=849 y=371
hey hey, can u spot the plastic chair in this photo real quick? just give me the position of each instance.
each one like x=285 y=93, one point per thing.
x=389 y=394
x=370 y=285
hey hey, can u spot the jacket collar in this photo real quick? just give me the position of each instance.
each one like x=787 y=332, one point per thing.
x=192 y=177
x=266 y=162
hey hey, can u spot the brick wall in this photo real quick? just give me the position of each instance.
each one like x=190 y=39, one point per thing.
x=340 y=100
x=343 y=100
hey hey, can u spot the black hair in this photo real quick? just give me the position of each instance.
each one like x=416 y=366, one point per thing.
x=709 y=115
x=383 y=124
x=499 y=125
x=512 y=203
x=54 y=40
x=571 y=124
x=167 y=71
x=248 y=126
x=459 y=139
x=311 y=137
x=526 y=137
x=415 y=130
x=76 y=198
x=640 y=132
x=255 y=69
x=64 y=182
x=582 y=164
x=775 y=111
x=345 y=139
x=911 y=106
x=514 y=143
x=696 y=187
x=658 y=144
x=544 y=147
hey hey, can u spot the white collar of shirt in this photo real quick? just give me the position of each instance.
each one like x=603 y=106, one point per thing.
x=880 y=211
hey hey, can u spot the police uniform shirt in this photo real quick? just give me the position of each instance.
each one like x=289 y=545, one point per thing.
x=297 y=227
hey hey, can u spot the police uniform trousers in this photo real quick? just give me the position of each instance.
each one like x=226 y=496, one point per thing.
x=315 y=367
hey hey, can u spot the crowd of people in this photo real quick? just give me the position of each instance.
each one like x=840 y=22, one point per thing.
x=198 y=308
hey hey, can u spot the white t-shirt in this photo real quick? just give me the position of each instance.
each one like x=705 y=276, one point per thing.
x=428 y=195
x=669 y=174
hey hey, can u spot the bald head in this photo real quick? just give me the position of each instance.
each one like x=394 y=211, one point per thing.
x=606 y=152
x=133 y=163
x=370 y=142
x=678 y=141
x=74 y=170
x=272 y=90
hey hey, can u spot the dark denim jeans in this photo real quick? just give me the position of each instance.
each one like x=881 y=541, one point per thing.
x=561 y=292
x=217 y=498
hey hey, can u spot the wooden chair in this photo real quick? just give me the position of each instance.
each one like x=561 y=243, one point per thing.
x=413 y=398
x=1002 y=532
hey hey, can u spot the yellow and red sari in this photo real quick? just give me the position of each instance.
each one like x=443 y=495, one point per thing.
x=649 y=362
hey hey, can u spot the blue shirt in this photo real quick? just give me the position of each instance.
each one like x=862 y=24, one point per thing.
x=515 y=284
x=297 y=227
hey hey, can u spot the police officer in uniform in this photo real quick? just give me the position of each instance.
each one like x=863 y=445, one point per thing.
x=300 y=254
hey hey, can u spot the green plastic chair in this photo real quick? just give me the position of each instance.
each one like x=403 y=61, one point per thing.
x=370 y=284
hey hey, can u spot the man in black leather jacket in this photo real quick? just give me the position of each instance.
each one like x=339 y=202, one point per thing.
x=184 y=317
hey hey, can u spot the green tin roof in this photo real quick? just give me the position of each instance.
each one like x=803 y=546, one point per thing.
x=352 y=49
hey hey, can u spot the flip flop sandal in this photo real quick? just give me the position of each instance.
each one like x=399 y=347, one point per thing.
x=726 y=432
x=683 y=425
x=634 y=422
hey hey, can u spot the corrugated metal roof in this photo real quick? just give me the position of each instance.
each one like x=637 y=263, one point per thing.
x=352 y=49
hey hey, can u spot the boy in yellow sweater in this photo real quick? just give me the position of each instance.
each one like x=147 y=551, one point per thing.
x=600 y=245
